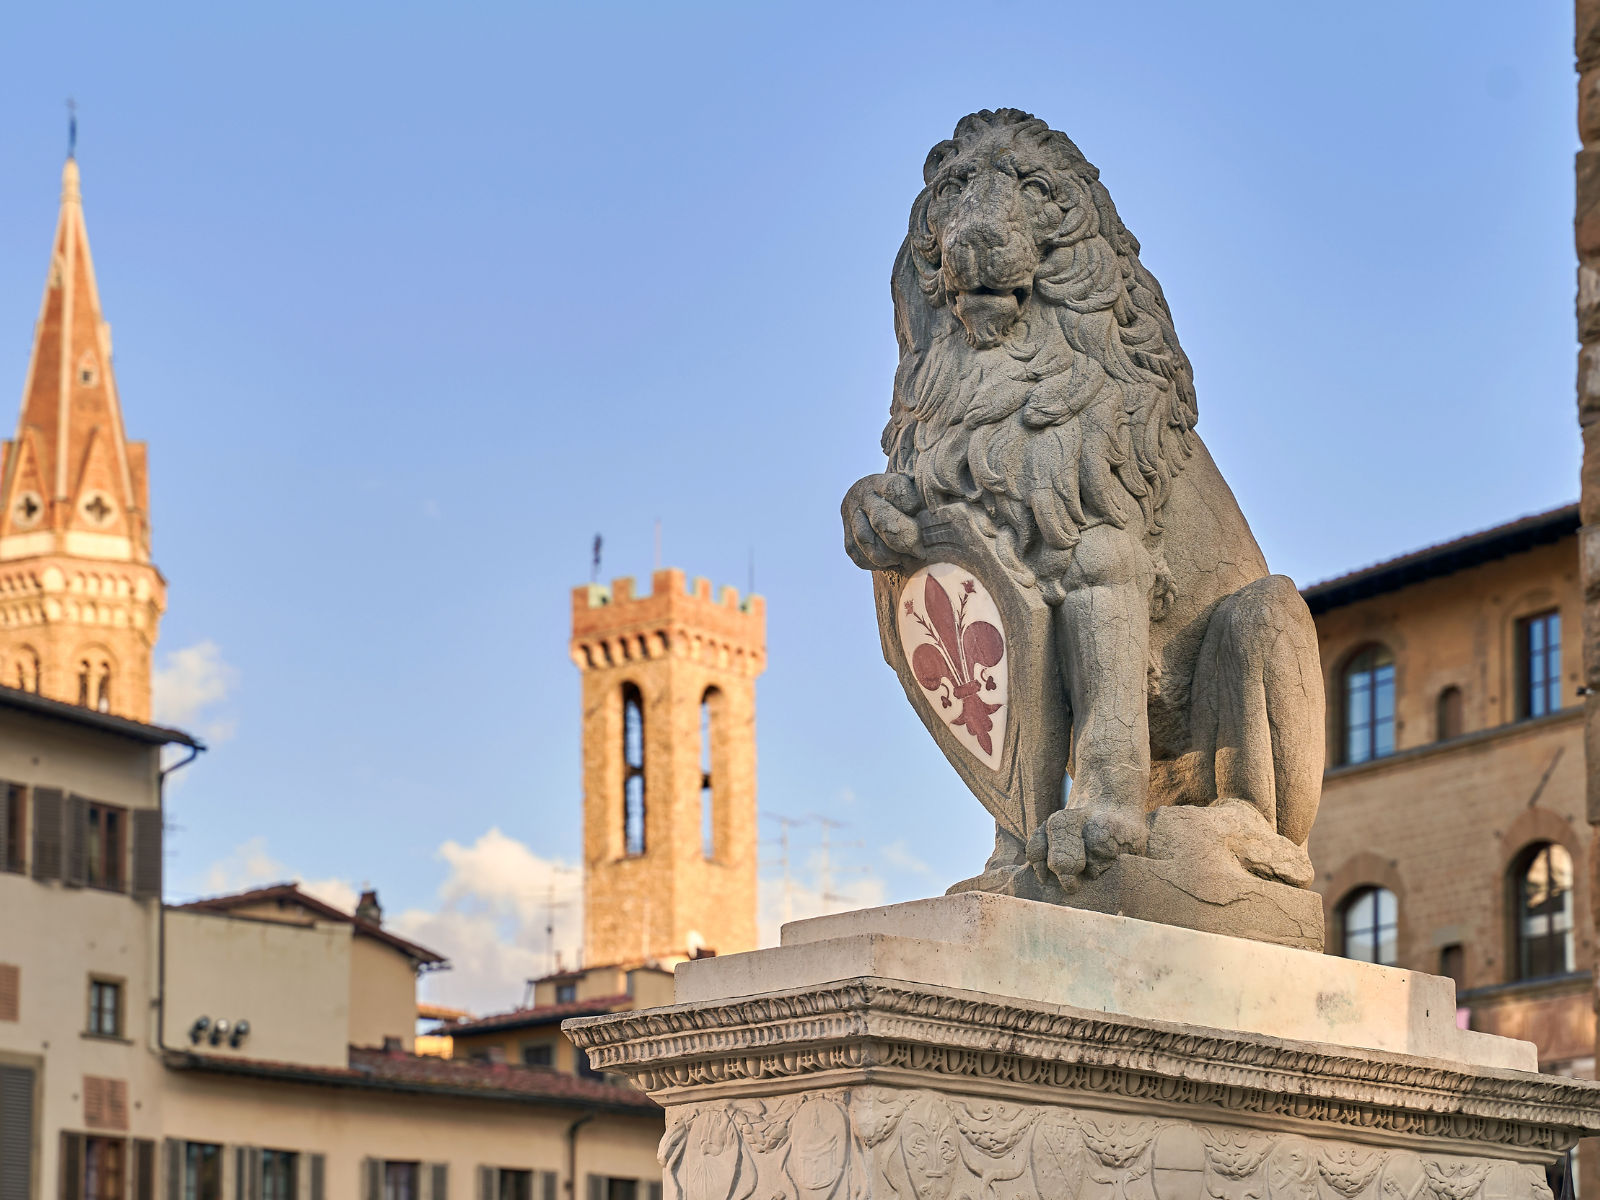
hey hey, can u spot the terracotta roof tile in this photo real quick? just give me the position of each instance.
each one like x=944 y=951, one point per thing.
x=291 y=892
x=543 y=1014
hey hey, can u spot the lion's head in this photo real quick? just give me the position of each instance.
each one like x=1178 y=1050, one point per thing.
x=1040 y=376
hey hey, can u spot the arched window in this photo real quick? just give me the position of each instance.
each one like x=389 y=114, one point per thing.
x=1371 y=924
x=632 y=770
x=710 y=728
x=1449 y=722
x=1369 y=705
x=1543 y=885
x=83 y=683
x=102 y=694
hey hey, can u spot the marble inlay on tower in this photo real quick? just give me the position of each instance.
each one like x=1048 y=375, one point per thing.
x=80 y=600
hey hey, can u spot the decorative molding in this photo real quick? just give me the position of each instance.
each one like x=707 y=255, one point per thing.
x=866 y=1143
x=865 y=1030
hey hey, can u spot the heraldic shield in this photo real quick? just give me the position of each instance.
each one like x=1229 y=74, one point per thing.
x=975 y=652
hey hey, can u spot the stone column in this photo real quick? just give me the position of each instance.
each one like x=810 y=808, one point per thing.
x=981 y=1047
x=1587 y=237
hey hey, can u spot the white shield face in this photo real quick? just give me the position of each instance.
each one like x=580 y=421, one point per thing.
x=955 y=643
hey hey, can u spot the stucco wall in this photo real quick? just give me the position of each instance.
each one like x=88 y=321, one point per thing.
x=383 y=994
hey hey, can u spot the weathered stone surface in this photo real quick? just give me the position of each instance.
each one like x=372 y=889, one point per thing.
x=1096 y=962
x=1043 y=465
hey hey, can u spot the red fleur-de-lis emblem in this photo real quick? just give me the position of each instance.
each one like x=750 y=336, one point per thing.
x=957 y=659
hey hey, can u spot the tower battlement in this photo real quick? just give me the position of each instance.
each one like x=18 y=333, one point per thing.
x=679 y=618
x=669 y=767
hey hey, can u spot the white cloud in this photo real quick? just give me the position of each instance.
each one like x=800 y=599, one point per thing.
x=188 y=683
x=252 y=866
x=491 y=922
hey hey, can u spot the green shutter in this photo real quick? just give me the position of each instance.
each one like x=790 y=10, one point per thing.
x=146 y=829
x=71 y=1166
x=174 y=1168
x=47 y=803
x=75 y=842
x=319 y=1170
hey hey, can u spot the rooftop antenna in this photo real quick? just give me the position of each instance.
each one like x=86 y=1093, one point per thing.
x=72 y=128
x=594 y=571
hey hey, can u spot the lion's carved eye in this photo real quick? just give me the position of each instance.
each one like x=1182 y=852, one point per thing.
x=1038 y=185
x=949 y=189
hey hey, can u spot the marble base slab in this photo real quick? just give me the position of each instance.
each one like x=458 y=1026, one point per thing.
x=1079 y=1056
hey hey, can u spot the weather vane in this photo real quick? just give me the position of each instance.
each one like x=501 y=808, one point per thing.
x=72 y=128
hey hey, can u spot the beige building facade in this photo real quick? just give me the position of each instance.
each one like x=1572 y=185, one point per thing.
x=669 y=768
x=1452 y=836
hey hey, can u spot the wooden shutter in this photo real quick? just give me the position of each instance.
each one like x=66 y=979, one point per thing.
x=174 y=1169
x=655 y=1190
x=319 y=1171
x=146 y=829
x=435 y=1181
x=488 y=1183
x=47 y=803
x=75 y=842
x=16 y=1133
x=547 y=1185
x=10 y=992
x=372 y=1177
x=144 y=1169
x=71 y=1166
x=105 y=1103
x=247 y=1172
x=597 y=1187
x=6 y=801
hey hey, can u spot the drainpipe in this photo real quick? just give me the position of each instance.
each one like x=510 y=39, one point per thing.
x=572 y=1155
x=161 y=904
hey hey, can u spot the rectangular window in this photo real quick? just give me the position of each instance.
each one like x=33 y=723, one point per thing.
x=515 y=1185
x=541 y=1055
x=278 y=1169
x=566 y=993
x=400 y=1180
x=107 y=841
x=15 y=799
x=1540 y=667
x=103 y=1174
x=105 y=1008
x=202 y=1171
x=622 y=1189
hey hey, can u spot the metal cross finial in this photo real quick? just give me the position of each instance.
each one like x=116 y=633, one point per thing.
x=72 y=127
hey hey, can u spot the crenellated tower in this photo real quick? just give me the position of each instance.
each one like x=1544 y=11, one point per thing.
x=669 y=768
x=80 y=600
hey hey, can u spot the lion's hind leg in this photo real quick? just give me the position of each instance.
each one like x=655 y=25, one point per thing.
x=1257 y=704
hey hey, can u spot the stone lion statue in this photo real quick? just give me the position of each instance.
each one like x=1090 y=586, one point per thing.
x=1044 y=481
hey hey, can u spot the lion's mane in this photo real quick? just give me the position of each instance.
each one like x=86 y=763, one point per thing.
x=1082 y=416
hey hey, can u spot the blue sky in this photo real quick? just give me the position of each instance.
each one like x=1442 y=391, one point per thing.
x=410 y=301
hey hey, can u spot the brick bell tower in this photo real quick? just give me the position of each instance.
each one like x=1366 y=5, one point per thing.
x=80 y=600
x=669 y=768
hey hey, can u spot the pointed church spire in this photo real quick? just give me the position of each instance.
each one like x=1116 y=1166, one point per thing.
x=73 y=503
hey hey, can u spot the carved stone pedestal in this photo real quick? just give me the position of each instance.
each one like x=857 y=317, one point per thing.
x=984 y=1047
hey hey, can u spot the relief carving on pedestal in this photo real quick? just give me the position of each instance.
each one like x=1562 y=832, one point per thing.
x=872 y=1143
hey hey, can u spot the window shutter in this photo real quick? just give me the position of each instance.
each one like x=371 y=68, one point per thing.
x=75 y=842
x=372 y=1171
x=146 y=829
x=6 y=802
x=10 y=992
x=597 y=1188
x=16 y=1132
x=144 y=1169
x=319 y=1169
x=47 y=833
x=547 y=1185
x=439 y=1181
x=174 y=1167
x=655 y=1191
x=71 y=1166
x=488 y=1182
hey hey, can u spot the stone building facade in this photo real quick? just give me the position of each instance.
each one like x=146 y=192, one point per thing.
x=1452 y=836
x=80 y=600
x=669 y=768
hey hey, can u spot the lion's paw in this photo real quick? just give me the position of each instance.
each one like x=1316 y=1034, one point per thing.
x=1111 y=833
x=1056 y=850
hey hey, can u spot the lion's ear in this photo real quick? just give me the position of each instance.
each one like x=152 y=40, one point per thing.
x=936 y=159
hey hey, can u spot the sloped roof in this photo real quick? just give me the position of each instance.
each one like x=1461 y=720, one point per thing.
x=290 y=893
x=382 y=1070
x=77 y=714
x=1473 y=550
x=543 y=1014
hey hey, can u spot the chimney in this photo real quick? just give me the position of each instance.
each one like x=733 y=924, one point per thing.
x=369 y=909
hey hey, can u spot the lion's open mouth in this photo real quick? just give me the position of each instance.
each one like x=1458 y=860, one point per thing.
x=989 y=314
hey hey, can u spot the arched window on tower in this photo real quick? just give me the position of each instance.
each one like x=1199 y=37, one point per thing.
x=102 y=688
x=27 y=670
x=1371 y=926
x=632 y=770
x=1450 y=719
x=83 y=682
x=710 y=730
x=1542 y=884
x=1369 y=705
